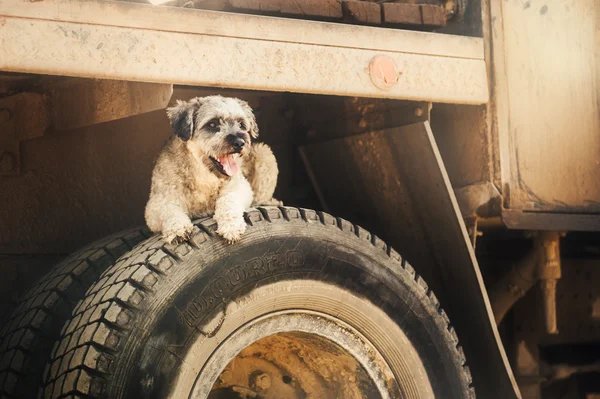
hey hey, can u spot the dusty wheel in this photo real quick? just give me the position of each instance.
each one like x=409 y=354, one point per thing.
x=305 y=305
x=29 y=332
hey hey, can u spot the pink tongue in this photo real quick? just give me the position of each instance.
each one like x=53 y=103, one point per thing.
x=229 y=165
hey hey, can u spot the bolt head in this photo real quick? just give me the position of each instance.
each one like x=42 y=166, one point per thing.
x=225 y=376
x=262 y=382
x=384 y=72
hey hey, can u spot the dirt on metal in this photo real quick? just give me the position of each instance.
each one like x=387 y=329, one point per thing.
x=294 y=365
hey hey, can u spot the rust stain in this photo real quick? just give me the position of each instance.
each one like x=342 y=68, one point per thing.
x=298 y=365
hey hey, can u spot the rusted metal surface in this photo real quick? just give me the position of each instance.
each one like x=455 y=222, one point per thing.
x=397 y=178
x=551 y=221
x=69 y=104
x=80 y=185
x=455 y=9
x=527 y=369
x=14 y=83
x=83 y=102
x=547 y=114
x=312 y=353
x=296 y=365
x=543 y=265
x=513 y=285
x=578 y=324
x=23 y=116
x=322 y=118
x=463 y=136
x=577 y=307
x=157 y=54
x=540 y=150
x=478 y=200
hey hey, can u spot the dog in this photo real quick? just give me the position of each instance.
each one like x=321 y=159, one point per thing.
x=210 y=165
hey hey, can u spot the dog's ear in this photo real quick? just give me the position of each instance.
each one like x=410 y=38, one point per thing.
x=182 y=117
x=253 y=128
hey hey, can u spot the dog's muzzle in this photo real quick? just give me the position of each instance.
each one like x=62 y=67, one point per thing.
x=237 y=141
x=238 y=144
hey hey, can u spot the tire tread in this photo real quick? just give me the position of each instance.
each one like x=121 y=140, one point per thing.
x=30 y=329
x=153 y=261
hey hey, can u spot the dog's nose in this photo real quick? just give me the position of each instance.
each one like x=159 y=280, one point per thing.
x=238 y=144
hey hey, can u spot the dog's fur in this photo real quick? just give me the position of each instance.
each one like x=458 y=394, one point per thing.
x=187 y=183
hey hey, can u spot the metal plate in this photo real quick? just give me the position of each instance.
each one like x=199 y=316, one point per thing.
x=548 y=110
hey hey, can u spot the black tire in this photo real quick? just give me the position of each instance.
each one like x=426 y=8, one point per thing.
x=28 y=333
x=130 y=337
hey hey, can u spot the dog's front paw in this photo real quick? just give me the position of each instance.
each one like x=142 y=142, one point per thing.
x=231 y=230
x=178 y=234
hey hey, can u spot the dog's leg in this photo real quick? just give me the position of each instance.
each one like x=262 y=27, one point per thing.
x=177 y=228
x=262 y=173
x=234 y=199
x=169 y=219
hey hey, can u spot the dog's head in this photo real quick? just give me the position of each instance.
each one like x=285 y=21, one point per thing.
x=216 y=129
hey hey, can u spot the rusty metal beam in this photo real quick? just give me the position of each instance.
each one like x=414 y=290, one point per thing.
x=550 y=221
x=100 y=39
x=254 y=27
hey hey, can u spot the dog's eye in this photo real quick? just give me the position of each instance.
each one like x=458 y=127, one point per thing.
x=242 y=125
x=213 y=124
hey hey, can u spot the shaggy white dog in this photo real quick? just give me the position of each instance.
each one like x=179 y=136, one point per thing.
x=210 y=165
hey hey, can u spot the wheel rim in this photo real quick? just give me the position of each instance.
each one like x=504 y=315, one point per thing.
x=274 y=309
x=309 y=355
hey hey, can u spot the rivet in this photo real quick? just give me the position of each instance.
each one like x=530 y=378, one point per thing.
x=225 y=377
x=383 y=72
x=262 y=381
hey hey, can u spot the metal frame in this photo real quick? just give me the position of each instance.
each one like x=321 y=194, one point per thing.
x=137 y=42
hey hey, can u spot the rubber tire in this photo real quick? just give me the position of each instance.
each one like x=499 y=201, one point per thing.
x=29 y=331
x=136 y=307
